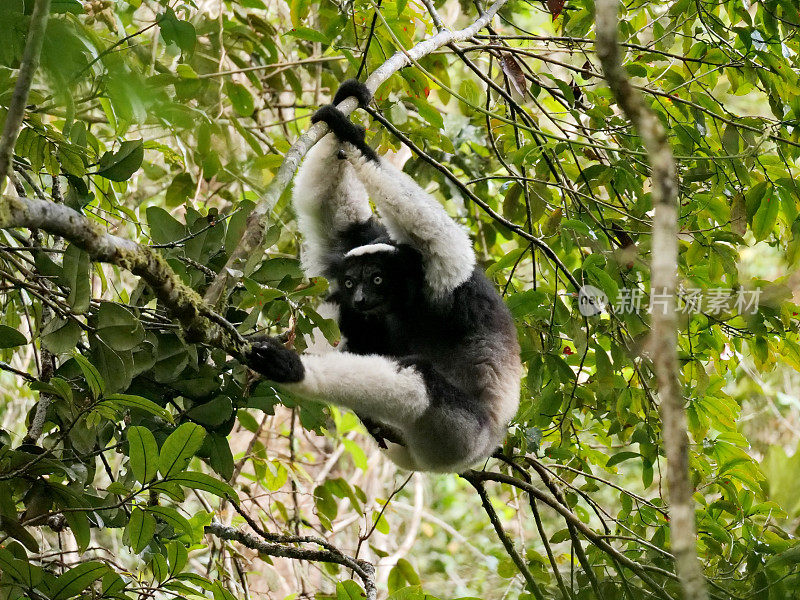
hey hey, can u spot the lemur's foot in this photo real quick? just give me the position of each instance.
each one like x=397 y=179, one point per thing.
x=269 y=357
x=353 y=87
x=344 y=129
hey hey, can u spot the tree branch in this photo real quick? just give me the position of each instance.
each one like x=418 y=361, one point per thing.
x=362 y=568
x=199 y=321
x=27 y=68
x=504 y=539
x=250 y=242
x=664 y=271
x=586 y=531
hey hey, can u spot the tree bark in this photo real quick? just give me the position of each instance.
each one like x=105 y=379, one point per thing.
x=663 y=281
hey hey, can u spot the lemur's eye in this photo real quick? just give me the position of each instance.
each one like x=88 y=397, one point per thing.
x=348 y=283
x=378 y=280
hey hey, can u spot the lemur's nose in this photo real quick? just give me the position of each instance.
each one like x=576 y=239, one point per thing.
x=358 y=296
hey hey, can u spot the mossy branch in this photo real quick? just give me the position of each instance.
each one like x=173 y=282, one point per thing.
x=185 y=305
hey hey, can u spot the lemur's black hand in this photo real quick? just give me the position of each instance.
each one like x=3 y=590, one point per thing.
x=269 y=357
x=344 y=129
x=353 y=87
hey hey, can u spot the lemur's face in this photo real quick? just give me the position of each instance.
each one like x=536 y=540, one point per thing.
x=365 y=284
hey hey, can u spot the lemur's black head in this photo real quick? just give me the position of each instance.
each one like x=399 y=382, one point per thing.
x=374 y=279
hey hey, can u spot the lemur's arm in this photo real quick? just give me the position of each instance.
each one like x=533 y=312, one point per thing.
x=410 y=214
x=328 y=199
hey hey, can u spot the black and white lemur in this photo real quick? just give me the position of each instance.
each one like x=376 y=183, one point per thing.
x=429 y=353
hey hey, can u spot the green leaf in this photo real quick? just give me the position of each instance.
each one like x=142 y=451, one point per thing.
x=78 y=522
x=140 y=529
x=311 y=35
x=179 y=448
x=11 y=526
x=115 y=367
x=470 y=92
x=207 y=483
x=71 y=162
x=240 y=98
x=325 y=502
x=139 y=403
x=20 y=570
x=177 y=556
x=77 y=579
x=350 y=590
x=212 y=413
x=176 y=31
x=143 y=453
x=179 y=191
x=428 y=112
x=767 y=214
x=172 y=518
x=60 y=336
x=186 y=72
x=221 y=456
x=11 y=338
x=96 y=384
x=76 y=276
x=118 y=327
x=164 y=228
x=120 y=165
x=66 y=6
x=621 y=457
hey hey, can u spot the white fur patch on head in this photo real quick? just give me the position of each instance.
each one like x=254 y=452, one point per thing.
x=370 y=249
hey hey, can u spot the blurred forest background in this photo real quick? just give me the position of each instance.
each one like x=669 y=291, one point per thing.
x=140 y=458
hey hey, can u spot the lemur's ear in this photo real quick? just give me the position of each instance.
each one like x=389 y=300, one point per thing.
x=353 y=87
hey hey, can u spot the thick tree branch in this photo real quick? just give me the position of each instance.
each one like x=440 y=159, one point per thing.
x=200 y=323
x=250 y=243
x=362 y=568
x=27 y=68
x=663 y=282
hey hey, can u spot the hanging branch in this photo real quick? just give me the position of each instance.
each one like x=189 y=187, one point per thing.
x=250 y=242
x=27 y=68
x=663 y=282
x=362 y=568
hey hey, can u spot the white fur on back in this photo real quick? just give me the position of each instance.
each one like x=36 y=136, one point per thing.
x=412 y=216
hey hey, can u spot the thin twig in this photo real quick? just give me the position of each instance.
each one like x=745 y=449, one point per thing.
x=19 y=99
x=364 y=569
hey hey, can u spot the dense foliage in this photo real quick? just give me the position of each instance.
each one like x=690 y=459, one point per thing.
x=164 y=121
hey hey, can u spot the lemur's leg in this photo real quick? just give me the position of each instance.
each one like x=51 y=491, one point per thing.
x=411 y=215
x=328 y=199
x=372 y=385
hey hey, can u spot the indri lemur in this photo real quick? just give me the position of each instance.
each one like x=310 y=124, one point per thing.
x=429 y=354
